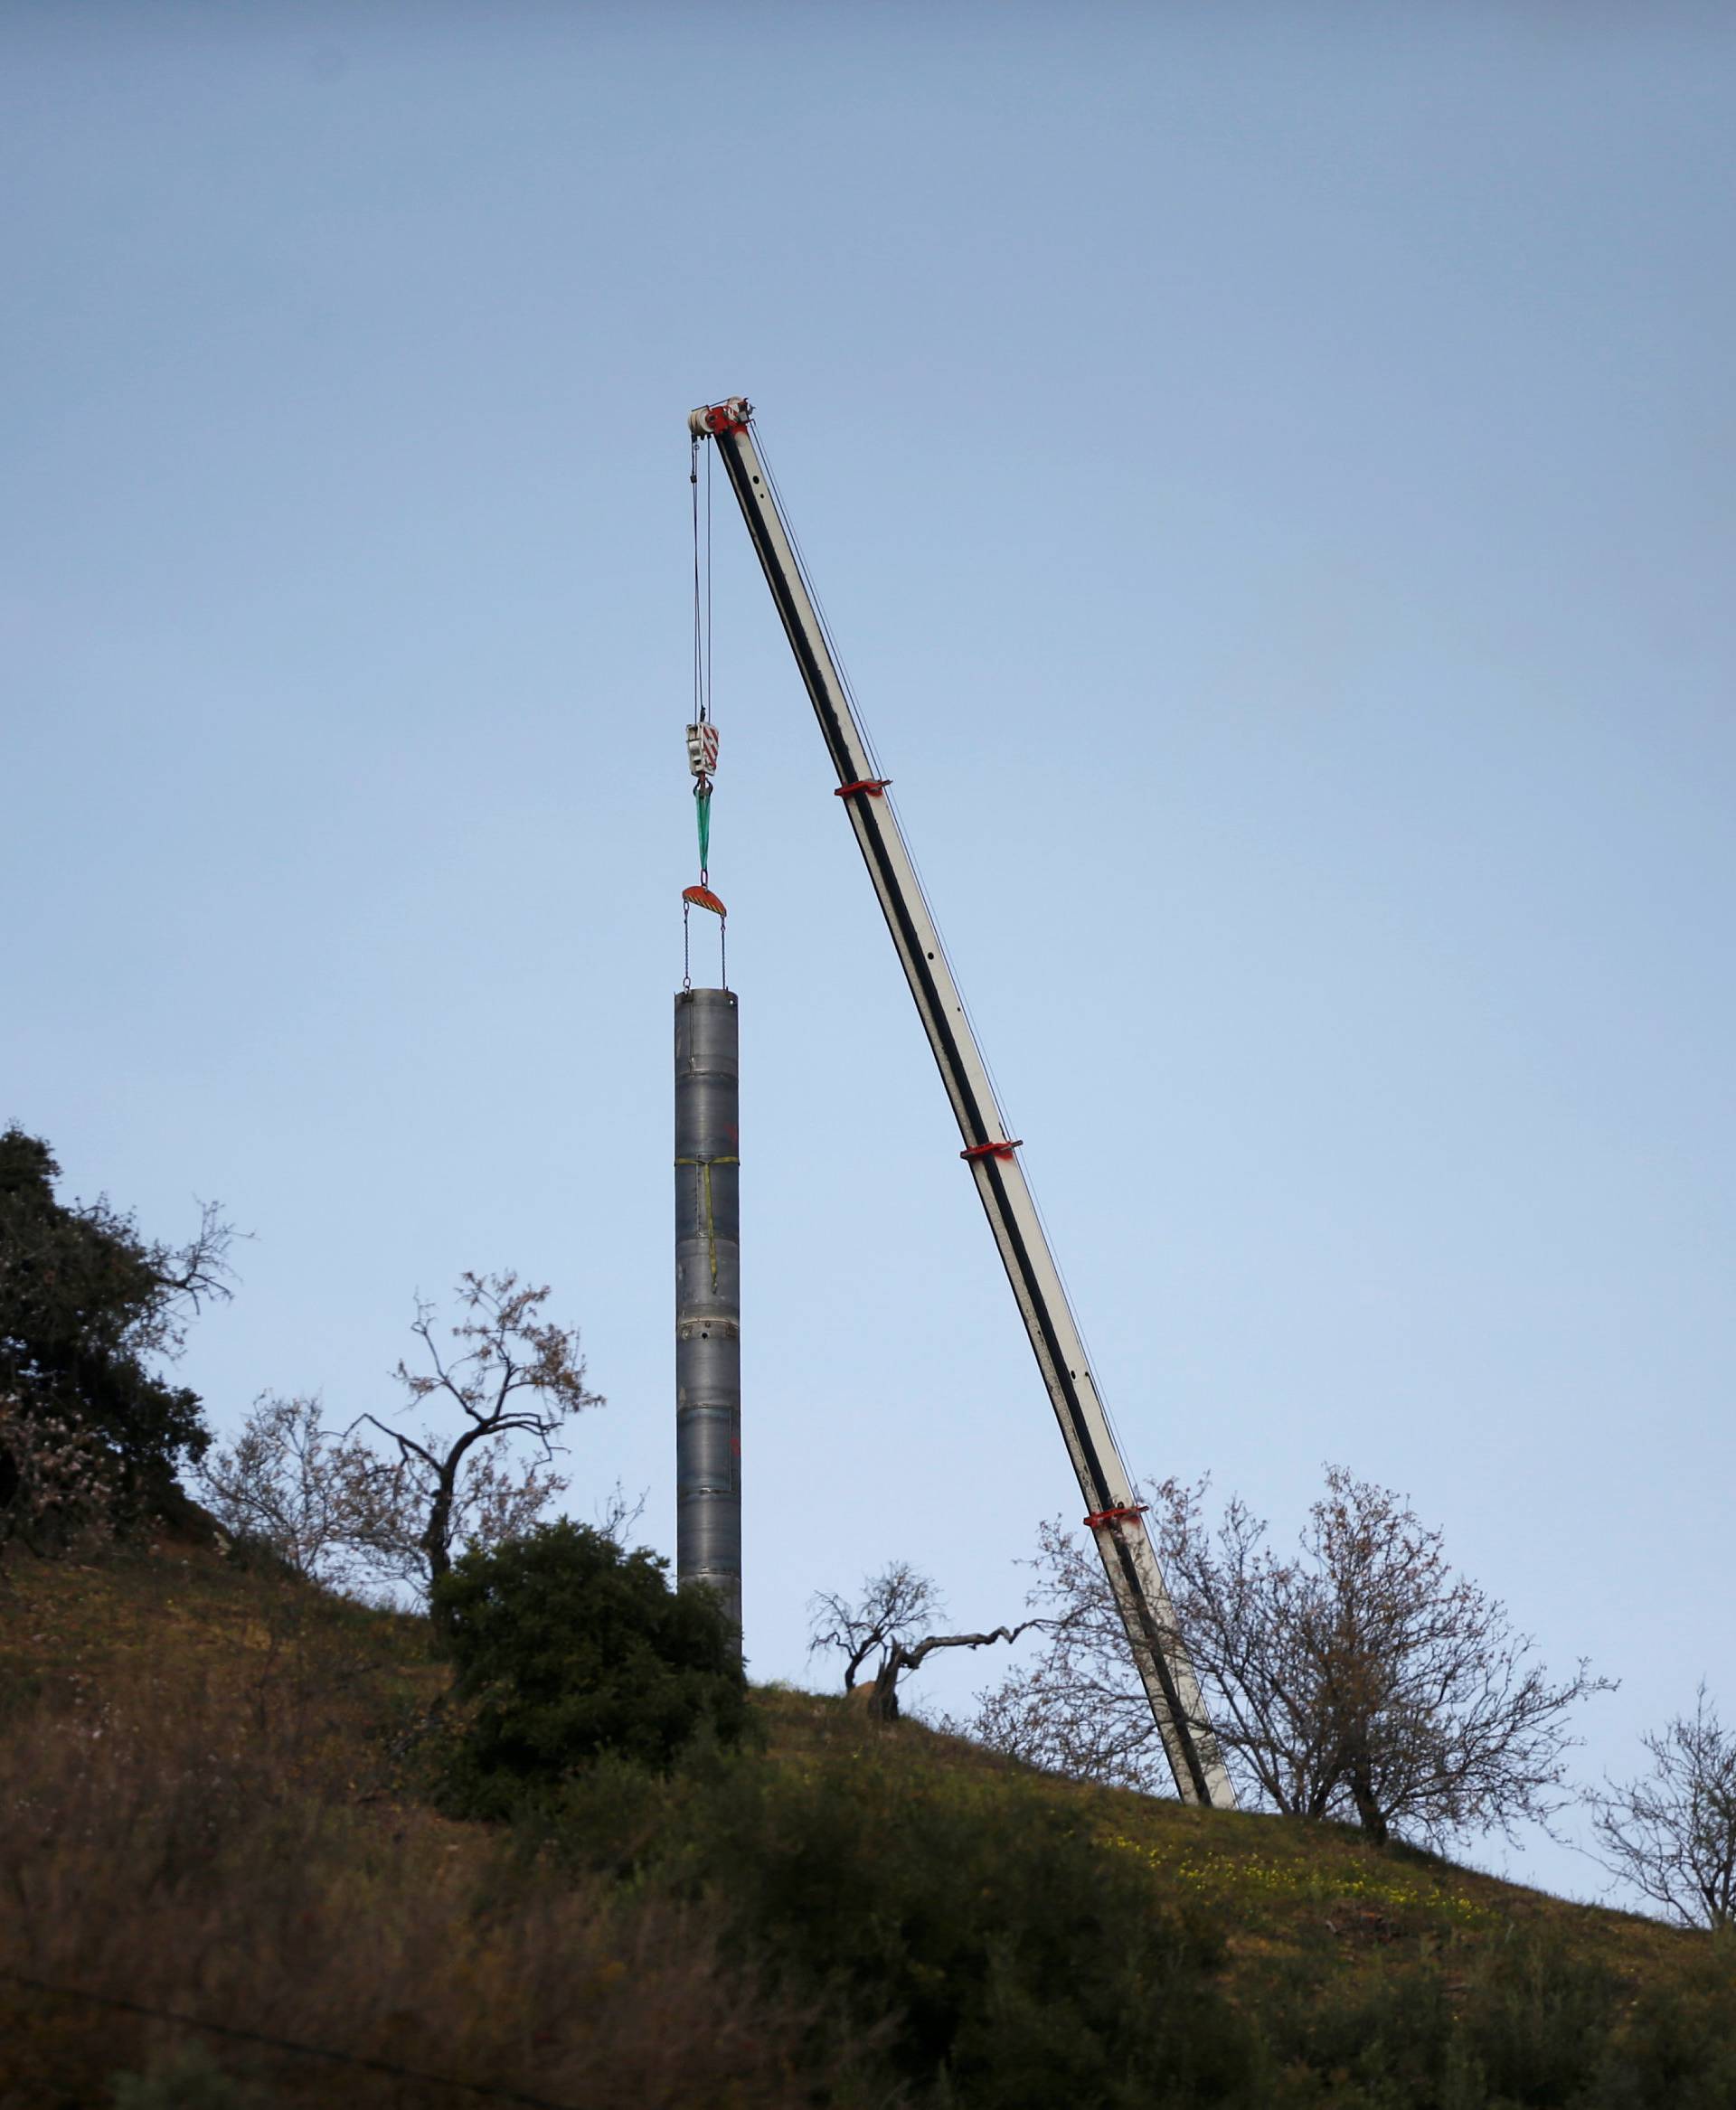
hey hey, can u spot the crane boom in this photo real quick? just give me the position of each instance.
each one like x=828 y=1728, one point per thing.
x=1115 y=1516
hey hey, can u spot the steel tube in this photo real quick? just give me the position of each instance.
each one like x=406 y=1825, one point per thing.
x=708 y=1298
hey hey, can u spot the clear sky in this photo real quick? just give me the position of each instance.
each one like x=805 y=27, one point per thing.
x=1272 y=474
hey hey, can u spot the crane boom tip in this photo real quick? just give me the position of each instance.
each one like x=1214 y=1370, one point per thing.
x=731 y=415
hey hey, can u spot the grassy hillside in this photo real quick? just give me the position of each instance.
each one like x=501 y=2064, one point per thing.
x=217 y=1808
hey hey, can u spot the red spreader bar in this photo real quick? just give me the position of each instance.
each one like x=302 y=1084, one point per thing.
x=1099 y=1517
x=991 y=1150
x=873 y=785
x=704 y=897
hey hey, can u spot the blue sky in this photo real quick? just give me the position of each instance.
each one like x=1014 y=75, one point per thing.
x=1270 y=474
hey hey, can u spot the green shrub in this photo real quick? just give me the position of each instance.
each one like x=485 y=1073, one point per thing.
x=567 y=1647
x=1537 y=2017
x=188 y=2079
x=1000 y=1956
x=1522 y=2022
x=87 y=1306
x=1679 y=2046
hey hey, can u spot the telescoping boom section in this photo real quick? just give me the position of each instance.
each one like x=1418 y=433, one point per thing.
x=1114 y=1514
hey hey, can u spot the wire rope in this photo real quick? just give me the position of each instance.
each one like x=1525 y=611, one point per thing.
x=999 y=1104
x=812 y=592
x=699 y=642
x=873 y=757
x=321 y=2052
x=710 y=660
x=702 y=718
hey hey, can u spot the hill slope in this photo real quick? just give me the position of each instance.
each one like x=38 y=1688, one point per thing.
x=215 y=1810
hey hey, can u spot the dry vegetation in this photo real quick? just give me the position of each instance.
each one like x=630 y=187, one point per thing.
x=211 y=1810
x=202 y=1817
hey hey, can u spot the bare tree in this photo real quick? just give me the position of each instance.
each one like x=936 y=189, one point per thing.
x=616 y=1514
x=1080 y=1710
x=1360 y=1677
x=883 y=1623
x=517 y=1376
x=187 y=1278
x=327 y=1503
x=1671 y=1834
x=337 y=1510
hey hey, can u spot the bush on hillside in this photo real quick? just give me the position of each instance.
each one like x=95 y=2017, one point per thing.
x=87 y=1305
x=983 y=1938
x=1521 y=2021
x=187 y=2077
x=992 y=1955
x=1680 y=2039
x=566 y=1647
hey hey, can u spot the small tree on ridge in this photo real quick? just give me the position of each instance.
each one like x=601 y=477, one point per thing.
x=1360 y=1677
x=328 y=1500
x=885 y=1622
x=1671 y=1834
x=517 y=1375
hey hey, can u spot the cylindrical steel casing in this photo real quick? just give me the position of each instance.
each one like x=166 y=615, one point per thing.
x=708 y=1298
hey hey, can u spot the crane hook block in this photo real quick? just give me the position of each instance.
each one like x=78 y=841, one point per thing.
x=731 y=414
x=701 y=748
x=704 y=897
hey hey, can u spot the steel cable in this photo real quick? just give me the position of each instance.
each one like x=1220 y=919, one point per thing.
x=230 y=2029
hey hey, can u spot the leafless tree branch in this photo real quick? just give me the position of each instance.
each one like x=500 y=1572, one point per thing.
x=1671 y=1834
x=331 y=1504
x=882 y=1622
